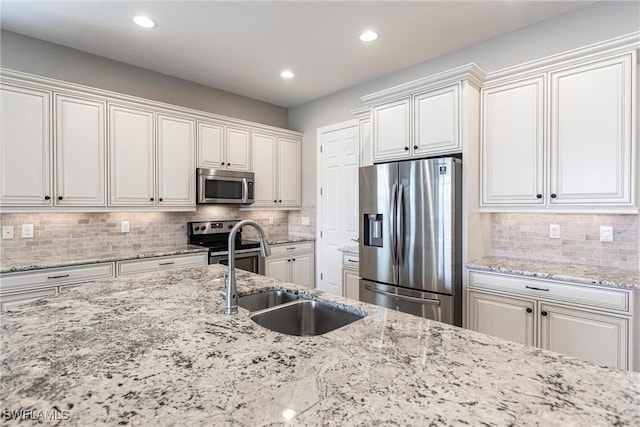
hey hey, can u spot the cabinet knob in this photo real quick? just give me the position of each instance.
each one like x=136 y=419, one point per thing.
x=160 y=199
x=288 y=260
x=406 y=148
x=275 y=201
x=228 y=164
x=294 y=260
x=60 y=197
x=553 y=195
x=222 y=163
x=279 y=201
x=47 y=197
x=544 y=313
x=539 y=196
x=529 y=310
x=415 y=147
x=151 y=199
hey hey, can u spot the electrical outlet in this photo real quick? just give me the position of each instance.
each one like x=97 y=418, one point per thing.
x=554 y=231
x=270 y=220
x=606 y=233
x=7 y=232
x=304 y=220
x=124 y=226
x=27 y=231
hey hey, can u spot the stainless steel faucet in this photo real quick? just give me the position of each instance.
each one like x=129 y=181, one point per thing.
x=231 y=297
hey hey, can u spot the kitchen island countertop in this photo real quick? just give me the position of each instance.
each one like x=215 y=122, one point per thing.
x=156 y=348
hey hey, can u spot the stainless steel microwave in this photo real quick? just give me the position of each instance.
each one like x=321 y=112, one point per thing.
x=223 y=186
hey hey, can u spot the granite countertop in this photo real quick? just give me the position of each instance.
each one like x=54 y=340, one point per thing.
x=156 y=348
x=353 y=250
x=12 y=264
x=289 y=239
x=587 y=274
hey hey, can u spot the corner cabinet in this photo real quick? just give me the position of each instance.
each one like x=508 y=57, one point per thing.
x=424 y=118
x=590 y=322
x=25 y=147
x=561 y=138
x=278 y=175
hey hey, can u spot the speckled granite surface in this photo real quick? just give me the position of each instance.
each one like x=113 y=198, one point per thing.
x=588 y=274
x=155 y=349
x=289 y=239
x=353 y=250
x=8 y=264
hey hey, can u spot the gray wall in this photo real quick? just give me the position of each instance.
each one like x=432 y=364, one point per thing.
x=585 y=26
x=34 y=56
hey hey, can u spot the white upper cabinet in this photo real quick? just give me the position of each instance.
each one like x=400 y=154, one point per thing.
x=513 y=149
x=561 y=139
x=25 y=147
x=131 y=156
x=80 y=147
x=176 y=161
x=223 y=147
x=277 y=171
x=391 y=130
x=591 y=133
x=436 y=122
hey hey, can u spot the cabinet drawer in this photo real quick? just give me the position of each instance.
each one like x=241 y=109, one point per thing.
x=160 y=263
x=603 y=298
x=284 y=250
x=21 y=298
x=351 y=262
x=14 y=282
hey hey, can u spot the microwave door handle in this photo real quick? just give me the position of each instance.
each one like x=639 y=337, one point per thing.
x=245 y=191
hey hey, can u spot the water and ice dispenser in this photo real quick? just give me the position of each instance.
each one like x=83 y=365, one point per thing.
x=373 y=230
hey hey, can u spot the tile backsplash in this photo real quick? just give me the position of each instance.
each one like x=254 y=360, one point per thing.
x=76 y=233
x=527 y=236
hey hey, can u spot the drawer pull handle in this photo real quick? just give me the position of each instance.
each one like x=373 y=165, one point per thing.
x=352 y=260
x=290 y=249
x=536 y=289
x=62 y=276
x=167 y=263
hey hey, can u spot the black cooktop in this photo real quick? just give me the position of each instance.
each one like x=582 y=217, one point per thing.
x=215 y=235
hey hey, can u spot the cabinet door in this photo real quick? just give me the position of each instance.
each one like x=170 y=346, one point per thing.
x=80 y=152
x=211 y=145
x=289 y=173
x=25 y=147
x=504 y=317
x=238 y=149
x=598 y=338
x=436 y=122
x=176 y=161
x=391 y=131
x=591 y=133
x=366 y=144
x=302 y=270
x=264 y=151
x=513 y=144
x=278 y=268
x=350 y=284
x=131 y=156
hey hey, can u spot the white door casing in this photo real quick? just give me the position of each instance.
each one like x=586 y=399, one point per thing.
x=338 y=156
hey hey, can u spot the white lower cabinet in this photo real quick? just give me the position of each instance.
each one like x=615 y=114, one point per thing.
x=146 y=265
x=24 y=287
x=351 y=276
x=293 y=263
x=576 y=324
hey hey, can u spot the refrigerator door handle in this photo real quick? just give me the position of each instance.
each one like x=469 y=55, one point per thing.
x=393 y=219
x=403 y=297
x=400 y=225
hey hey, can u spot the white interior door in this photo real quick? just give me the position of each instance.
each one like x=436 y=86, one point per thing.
x=338 y=202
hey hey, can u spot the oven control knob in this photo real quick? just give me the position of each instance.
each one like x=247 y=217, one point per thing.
x=196 y=228
x=230 y=227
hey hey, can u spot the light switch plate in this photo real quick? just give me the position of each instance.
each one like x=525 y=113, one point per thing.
x=27 y=231
x=606 y=233
x=124 y=226
x=554 y=231
x=304 y=220
x=7 y=232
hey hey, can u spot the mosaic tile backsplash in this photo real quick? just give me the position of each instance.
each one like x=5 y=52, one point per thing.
x=527 y=236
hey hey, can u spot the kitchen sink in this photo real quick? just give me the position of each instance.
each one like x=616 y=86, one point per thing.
x=304 y=318
x=262 y=300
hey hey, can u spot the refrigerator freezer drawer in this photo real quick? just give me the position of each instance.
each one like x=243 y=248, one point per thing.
x=424 y=304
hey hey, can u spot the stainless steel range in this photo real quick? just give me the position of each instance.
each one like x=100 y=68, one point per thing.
x=215 y=236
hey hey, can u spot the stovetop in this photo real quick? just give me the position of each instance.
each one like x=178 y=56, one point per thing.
x=215 y=235
x=222 y=246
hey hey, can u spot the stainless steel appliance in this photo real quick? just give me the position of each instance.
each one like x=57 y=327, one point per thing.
x=411 y=247
x=215 y=236
x=224 y=186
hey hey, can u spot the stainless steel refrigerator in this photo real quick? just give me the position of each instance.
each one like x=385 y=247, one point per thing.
x=410 y=243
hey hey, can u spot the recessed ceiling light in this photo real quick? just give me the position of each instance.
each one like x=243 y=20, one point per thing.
x=368 y=36
x=144 y=21
x=286 y=74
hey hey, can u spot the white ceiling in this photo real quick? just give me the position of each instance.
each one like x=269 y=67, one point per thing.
x=242 y=46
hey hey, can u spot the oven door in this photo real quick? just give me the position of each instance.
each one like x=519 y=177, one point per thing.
x=249 y=260
x=225 y=187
